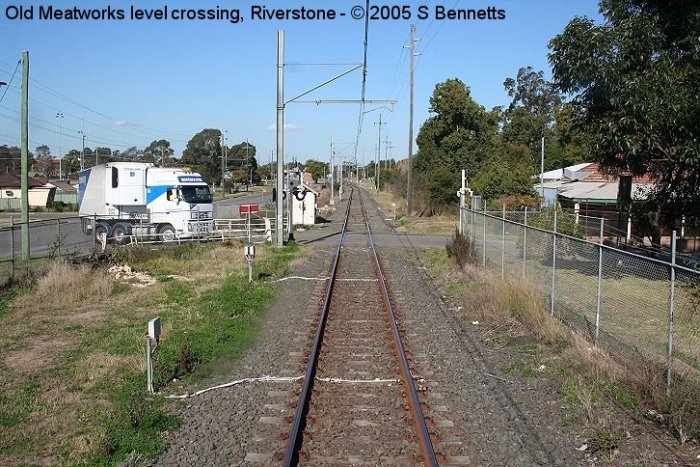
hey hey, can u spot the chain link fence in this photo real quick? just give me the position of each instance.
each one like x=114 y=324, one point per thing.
x=621 y=300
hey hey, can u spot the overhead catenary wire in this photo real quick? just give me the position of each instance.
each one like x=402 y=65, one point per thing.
x=363 y=90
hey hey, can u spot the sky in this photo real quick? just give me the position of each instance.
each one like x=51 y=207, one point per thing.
x=127 y=82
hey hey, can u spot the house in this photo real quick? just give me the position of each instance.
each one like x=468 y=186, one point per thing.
x=41 y=195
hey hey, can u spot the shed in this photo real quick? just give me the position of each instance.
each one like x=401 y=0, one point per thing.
x=304 y=211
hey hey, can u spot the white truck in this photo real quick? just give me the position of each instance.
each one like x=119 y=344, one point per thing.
x=130 y=198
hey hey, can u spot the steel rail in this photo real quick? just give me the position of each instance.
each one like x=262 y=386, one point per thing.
x=424 y=441
x=292 y=455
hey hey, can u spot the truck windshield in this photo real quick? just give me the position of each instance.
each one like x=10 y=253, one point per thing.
x=196 y=193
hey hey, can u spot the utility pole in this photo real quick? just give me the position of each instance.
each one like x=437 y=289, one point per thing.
x=332 y=174
x=59 y=116
x=247 y=164
x=223 y=169
x=377 y=160
x=24 y=152
x=379 y=148
x=280 y=138
x=82 y=153
x=409 y=188
x=542 y=168
x=386 y=152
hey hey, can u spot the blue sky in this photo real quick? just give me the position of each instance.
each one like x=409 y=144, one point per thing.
x=127 y=83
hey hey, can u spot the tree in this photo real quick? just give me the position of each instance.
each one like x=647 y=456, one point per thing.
x=242 y=157
x=104 y=155
x=43 y=151
x=317 y=169
x=10 y=159
x=532 y=114
x=203 y=152
x=635 y=79
x=71 y=161
x=160 y=152
x=460 y=134
x=508 y=173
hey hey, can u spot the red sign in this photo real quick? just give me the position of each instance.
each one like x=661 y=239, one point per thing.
x=248 y=209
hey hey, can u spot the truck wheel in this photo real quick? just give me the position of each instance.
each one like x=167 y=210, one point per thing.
x=120 y=233
x=167 y=233
x=101 y=232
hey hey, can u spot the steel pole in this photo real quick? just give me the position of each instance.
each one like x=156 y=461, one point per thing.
x=554 y=261
x=525 y=244
x=279 y=227
x=671 y=313
x=600 y=280
x=503 y=243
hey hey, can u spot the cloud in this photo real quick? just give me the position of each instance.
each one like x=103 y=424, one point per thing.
x=287 y=126
x=120 y=122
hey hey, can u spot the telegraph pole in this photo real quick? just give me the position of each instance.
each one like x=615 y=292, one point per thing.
x=379 y=148
x=24 y=152
x=409 y=188
x=82 y=153
x=332 y=174
x=386 y=152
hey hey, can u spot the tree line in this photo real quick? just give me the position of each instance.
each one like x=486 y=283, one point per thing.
x=624 y=94
x=204 y=153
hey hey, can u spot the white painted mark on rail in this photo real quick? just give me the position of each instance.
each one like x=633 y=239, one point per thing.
x=359 y=381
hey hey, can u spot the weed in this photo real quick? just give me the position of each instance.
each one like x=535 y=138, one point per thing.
x=527 y=349
x=523 y=369
x=460 y=247
x=605 y=440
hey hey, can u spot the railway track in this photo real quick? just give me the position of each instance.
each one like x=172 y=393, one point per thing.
x=359 y=402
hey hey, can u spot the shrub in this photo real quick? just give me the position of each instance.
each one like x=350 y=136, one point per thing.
x=460 y=247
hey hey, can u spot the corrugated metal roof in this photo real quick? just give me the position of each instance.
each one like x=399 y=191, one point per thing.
x=601 y=191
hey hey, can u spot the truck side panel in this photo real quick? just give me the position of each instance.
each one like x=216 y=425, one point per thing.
x=91 y=191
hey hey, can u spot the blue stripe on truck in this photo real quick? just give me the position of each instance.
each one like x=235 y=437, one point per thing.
x=153 y=192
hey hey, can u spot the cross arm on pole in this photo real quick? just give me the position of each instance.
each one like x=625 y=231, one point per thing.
x=324 y=83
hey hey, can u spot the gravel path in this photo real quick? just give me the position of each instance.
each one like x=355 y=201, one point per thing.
x=506 y=419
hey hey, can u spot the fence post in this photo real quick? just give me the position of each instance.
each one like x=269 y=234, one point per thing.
x=94 y=236
x=554 y=260
x=58 y=236
x=503 y=242
x=600 y=280
x=671 y=310
x=483 y=214
x=525 y=245
x=461 y=214
x=12 y=244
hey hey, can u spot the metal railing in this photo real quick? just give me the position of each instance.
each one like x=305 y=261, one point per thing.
x=624 y=301
x=59 y=237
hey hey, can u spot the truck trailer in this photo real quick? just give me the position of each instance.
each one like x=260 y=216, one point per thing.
x=121 y=199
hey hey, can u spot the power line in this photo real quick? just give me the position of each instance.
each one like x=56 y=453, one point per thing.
x=442 y=23
x=7 y=86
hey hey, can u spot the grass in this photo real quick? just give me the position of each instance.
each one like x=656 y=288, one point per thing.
x=73 y=381
x=590 y=380
x=392 y=206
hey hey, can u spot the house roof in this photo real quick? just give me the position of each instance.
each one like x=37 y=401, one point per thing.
x=13 y=181
x=586 y=182
x=63 y=186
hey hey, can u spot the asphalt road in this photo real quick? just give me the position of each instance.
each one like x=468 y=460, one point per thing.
x=228 y=208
